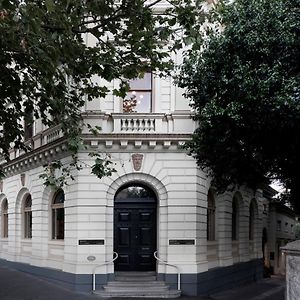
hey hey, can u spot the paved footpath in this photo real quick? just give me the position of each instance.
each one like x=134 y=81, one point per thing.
x=15 y=285
x=266 y=289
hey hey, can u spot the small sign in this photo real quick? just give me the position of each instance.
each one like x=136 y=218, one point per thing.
x=91 y=258
x=181 y=242
x=91 y=242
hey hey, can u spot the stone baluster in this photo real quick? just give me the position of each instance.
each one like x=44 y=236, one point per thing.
x=135 y=125
x=146 y=125
x=152 y=124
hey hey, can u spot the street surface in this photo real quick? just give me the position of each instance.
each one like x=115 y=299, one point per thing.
x=15 y=285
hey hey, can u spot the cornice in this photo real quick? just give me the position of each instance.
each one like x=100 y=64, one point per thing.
x=37 y=157
x=106 y=142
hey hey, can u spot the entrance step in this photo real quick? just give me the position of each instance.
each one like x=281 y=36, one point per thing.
x=139 y=294
x=135 y=276
x=137 y=284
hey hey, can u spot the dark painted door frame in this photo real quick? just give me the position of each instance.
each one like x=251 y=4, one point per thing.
x=135 y=232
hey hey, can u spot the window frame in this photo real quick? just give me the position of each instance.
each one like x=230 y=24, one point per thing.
x=57 y=233
x=252 y=220
x=235 y=219
x=4 y=217
x=150 y=91
x=211 y=217
x=27 y=217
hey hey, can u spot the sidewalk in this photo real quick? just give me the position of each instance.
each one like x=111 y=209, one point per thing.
x=266 y=289
x=15 y=285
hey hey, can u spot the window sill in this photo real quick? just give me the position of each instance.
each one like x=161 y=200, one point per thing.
x=56 y=242
x=212 y=243
x=26 y=240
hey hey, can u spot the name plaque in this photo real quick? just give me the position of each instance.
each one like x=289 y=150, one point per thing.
x=91 y=242
x=181 y=242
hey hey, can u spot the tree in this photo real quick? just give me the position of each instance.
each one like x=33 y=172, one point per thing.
x=244 y=85
x=47 y=69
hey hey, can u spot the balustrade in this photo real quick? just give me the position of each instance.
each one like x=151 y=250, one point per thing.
x=137 y=124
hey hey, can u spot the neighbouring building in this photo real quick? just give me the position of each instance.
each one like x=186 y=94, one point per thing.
x=279 y=223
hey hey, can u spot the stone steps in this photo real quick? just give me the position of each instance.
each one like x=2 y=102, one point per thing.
x=136 y=284
x=136 y=288
x=136 y=279
x=138 y=294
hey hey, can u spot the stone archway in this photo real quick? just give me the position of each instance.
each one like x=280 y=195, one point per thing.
x=161 y=205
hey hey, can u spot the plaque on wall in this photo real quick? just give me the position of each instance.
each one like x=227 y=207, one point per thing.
x=182 y=242
x=91 y=242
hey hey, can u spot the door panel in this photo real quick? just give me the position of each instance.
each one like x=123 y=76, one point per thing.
x=124 y=237
x=135 y=236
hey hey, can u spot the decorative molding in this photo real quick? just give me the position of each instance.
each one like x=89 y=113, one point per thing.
x=137 y=161
x=23 y=177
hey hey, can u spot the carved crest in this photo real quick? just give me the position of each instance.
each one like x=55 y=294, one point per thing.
x=22 y=179
x=137 y=160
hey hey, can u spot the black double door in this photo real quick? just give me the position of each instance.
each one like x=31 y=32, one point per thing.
x=135 y=236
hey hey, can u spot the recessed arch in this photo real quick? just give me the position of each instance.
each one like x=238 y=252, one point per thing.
x=161 y=204
x=22 y=194
x=253 y=213
x=135 y=227
x=2 y=197
x=145 y=179
x=58 y=215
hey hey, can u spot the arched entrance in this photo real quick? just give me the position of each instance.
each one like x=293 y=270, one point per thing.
x=135 y=228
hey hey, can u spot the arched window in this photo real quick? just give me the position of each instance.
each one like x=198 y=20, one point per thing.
x=251 y=220
x=27 y=215
x=58 y=216
x=234 y=224
x=4 y=213
x=210 y=216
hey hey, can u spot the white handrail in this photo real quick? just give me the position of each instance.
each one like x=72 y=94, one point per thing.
x=165 y=263
x=98 y=266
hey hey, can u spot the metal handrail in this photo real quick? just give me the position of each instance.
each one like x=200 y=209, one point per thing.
x=167 y=264
x=101 y=265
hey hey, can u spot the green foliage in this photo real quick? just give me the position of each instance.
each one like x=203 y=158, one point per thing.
x=48 y=69
x=245 y=87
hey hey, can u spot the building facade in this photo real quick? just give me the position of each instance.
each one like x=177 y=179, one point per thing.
x=158 y=200
x=278 y=230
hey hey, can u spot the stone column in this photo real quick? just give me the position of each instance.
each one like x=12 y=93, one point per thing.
x=292 y=252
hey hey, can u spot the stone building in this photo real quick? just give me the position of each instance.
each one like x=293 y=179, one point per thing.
x=278 y=230
x=158 y=200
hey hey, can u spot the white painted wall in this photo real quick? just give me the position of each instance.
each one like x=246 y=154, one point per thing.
x=182 y=193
